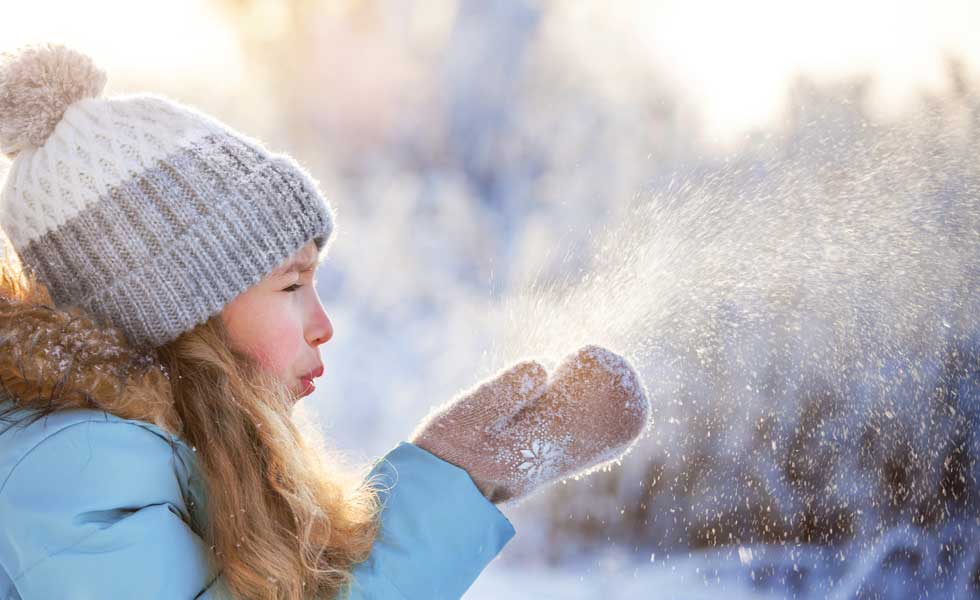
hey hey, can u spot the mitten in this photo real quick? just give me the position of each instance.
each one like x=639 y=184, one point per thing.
x=520 y=429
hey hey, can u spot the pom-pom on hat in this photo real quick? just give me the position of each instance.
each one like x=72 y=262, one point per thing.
x=144 y=212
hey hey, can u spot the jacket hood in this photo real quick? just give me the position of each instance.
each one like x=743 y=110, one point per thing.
x=59 y=358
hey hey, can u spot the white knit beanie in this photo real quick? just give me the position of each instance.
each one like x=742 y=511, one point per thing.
x=144 y=212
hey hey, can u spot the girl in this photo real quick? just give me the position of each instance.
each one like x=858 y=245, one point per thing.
x=159 y=318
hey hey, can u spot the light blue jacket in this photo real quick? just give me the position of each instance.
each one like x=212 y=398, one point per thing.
x=96 y=506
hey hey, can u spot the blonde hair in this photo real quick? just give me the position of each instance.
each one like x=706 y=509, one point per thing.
x=284 y=514
x=287 y=519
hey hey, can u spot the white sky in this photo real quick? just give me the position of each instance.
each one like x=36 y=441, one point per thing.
x=736 y=58
x=733 y=59
x=173 y=39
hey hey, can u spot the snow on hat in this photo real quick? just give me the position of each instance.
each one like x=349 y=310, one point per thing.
x=146 y=213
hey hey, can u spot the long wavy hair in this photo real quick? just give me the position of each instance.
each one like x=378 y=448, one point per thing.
x=285 y=514
x=288 y=518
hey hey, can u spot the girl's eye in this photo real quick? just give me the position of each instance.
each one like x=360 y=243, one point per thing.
x=292 y=288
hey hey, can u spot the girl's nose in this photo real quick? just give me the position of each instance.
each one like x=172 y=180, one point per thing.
x=321 y=330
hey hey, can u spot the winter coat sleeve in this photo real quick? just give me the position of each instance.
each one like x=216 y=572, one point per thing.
x=94 y=510
x=438 y=532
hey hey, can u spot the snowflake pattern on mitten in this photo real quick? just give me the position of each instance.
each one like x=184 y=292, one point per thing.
x=520 y=429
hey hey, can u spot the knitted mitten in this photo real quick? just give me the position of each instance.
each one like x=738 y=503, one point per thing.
x=519 y=430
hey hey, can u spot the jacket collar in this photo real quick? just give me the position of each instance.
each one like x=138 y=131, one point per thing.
x=54 y=358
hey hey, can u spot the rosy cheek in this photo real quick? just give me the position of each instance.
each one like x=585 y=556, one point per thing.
x=267 y=331
x=273 y=354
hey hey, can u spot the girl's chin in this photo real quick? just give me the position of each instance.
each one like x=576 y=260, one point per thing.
x=298 y=392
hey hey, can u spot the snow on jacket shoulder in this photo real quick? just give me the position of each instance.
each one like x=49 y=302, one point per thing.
x=96 y=506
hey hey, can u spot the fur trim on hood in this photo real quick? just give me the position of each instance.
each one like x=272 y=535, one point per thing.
x=53 y=359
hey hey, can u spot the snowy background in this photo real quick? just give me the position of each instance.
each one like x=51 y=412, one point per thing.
x=771 y=209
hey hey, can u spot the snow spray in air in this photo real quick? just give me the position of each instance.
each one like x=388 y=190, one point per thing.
x=803 y=319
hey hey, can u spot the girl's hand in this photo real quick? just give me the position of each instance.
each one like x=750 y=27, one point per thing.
x=519 y=430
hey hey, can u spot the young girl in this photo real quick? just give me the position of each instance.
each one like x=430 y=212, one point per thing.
x=158 y=320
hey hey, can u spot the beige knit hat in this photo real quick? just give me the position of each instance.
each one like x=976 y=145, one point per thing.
x=146 y=213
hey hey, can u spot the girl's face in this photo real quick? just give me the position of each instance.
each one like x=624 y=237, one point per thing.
x=280 y=322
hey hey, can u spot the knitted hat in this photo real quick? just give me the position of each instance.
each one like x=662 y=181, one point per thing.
x=144 y=212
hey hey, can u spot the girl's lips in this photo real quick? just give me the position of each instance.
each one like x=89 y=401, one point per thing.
x=307 y=380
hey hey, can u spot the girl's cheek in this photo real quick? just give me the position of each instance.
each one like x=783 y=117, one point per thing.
x=270 y=356
x=279 y=346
